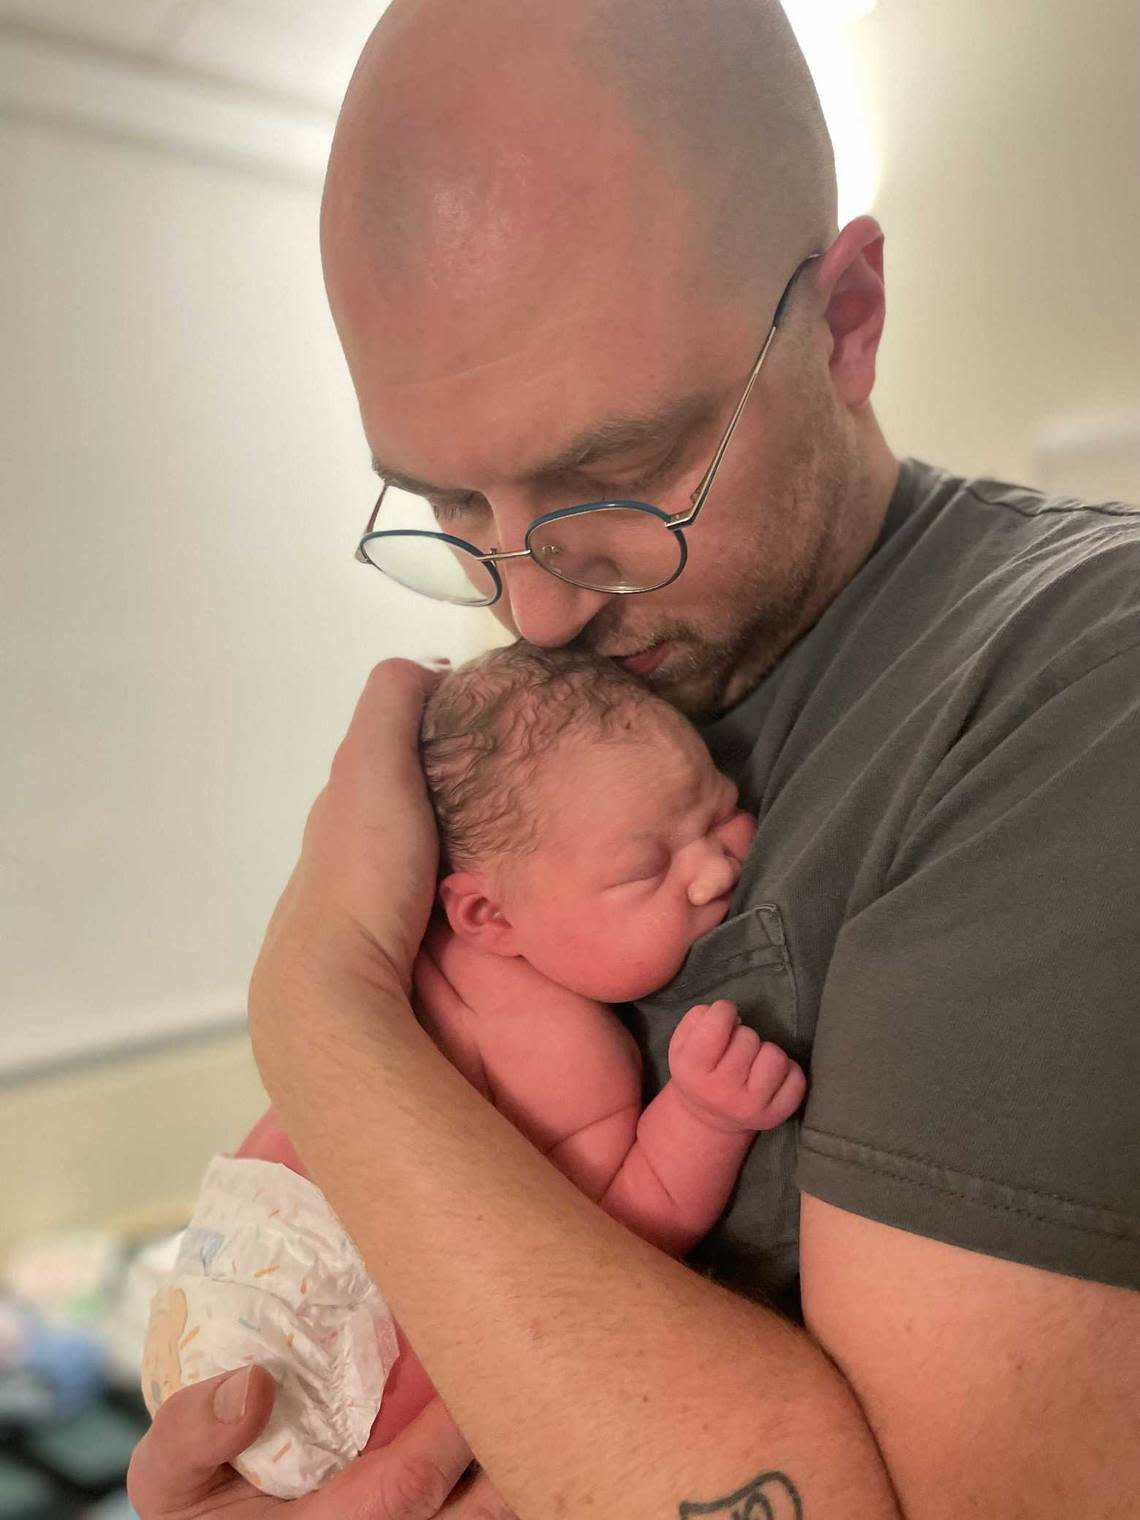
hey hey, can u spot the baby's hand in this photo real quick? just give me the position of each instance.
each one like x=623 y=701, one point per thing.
x=730 y=1077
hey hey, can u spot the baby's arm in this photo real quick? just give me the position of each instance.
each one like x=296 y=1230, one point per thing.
x=675 y=1178
x=565 y=1070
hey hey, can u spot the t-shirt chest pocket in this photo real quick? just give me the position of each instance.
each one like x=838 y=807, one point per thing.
x=755 y=1245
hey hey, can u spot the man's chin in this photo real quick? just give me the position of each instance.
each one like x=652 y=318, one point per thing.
x=692 y=676
x=693 y=686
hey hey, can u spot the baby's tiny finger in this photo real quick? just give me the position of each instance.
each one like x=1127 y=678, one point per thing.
x=788 y=1096
x=743 y=1048
x=705 y=1032
x=685 y=1028
x=769 y=1070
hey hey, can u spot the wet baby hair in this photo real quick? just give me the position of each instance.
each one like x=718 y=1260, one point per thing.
x=490 y=725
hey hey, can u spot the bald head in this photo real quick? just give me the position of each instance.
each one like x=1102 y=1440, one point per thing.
x=554 y=233
x=718 y=90
x=491 y=147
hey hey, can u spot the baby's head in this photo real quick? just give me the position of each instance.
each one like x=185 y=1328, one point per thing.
x=583 y=823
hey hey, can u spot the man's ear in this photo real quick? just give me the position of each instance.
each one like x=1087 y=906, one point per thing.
x=476 y=915
x=851 y=271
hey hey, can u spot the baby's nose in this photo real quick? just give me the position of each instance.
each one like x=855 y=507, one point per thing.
x=718 y=874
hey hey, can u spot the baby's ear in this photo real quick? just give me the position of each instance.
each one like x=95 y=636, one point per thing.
x=474 y=915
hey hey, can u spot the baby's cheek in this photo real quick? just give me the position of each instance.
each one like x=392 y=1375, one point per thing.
x=740 y=834
x=643 y=950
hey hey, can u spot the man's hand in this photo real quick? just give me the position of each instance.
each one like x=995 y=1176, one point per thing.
x=180 y=1469
x=360 y=894
x=346 y=930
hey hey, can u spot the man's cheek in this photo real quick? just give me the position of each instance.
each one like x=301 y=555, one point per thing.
x=501 y=612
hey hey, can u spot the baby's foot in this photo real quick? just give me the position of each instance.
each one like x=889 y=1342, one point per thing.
x=730 y=1077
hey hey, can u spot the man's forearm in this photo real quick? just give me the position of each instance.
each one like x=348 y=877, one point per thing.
x=590 y=1373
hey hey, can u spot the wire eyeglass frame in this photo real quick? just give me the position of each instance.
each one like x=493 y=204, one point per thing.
x=675 y=522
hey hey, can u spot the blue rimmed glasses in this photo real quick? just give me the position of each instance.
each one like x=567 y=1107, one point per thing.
x=622 y=548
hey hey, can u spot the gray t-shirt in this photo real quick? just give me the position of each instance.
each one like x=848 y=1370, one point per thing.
x=940 y=917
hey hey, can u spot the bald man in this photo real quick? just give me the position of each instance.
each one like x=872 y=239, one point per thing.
x=571 y=251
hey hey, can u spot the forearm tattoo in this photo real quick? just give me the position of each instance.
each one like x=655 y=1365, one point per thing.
x=771 y=1496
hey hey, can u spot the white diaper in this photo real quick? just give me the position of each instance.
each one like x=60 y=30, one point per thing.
x=265 y=1273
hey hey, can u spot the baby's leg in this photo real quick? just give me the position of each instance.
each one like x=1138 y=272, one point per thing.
x=407 y=1391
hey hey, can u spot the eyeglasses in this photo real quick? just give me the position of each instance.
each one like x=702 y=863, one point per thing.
x=622 y=548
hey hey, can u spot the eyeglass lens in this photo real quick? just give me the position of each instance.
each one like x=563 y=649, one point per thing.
x=608 y=548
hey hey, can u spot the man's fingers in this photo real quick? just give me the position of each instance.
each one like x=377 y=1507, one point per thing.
x=388 y=714
x=195 y=1433
x=409 y=1479
x=477 y=1499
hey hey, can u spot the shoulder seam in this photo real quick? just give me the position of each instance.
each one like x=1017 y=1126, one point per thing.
x=1121 y=511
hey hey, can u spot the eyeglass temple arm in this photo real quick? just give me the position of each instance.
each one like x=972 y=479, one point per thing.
x=360 y=554
x=702 y=491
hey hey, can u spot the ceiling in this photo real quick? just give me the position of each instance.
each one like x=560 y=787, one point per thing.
x=76 y=60
x=296 y=49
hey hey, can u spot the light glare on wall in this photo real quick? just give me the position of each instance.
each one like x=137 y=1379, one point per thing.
x=825 y=32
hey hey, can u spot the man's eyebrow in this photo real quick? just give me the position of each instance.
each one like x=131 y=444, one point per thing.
x=612 y=436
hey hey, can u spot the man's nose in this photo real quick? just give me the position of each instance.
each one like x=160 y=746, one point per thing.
x=717 y=873
x=545 y=610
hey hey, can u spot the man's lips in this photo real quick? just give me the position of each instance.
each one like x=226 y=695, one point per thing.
x=642 y=663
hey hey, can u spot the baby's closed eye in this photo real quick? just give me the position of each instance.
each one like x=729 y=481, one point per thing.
x=639 y=872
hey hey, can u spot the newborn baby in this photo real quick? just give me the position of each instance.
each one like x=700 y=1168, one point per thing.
x=587 y=841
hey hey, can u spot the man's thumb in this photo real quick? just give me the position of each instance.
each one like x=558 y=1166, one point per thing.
x=230 y=1400
x=195 y=1432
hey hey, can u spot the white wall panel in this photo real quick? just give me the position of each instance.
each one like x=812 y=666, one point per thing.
x=184 y=628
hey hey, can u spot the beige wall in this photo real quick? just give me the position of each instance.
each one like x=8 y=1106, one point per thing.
x=1010 y=197
x=185 y=632
x=122 y=1144
x=184 y=637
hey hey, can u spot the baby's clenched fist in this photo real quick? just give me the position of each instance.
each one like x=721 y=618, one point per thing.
x=728 y=1076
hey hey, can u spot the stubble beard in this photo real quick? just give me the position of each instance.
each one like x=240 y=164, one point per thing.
x=708 y=671
x=703 y=676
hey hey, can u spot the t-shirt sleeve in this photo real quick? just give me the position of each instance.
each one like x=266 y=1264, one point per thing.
x=974 y=1073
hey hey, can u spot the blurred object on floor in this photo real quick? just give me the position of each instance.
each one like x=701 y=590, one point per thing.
x=26 y=1494
x=72 y=1324
x=125 y=1323
x=48 y=1369
x=66 y=1276
x=115 y=1506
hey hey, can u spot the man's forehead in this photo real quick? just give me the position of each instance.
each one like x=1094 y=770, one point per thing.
x=563 y=395
x=606 y=439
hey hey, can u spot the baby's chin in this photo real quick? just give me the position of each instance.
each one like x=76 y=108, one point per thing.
x=631 y=983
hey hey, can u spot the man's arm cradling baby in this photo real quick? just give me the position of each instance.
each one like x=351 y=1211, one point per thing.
x=589 y=843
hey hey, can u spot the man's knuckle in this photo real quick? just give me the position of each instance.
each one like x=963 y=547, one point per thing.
x=419 y=1488
x=135 y=1481
x=389 y=675
x=341 y=773
x=486 y=1504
